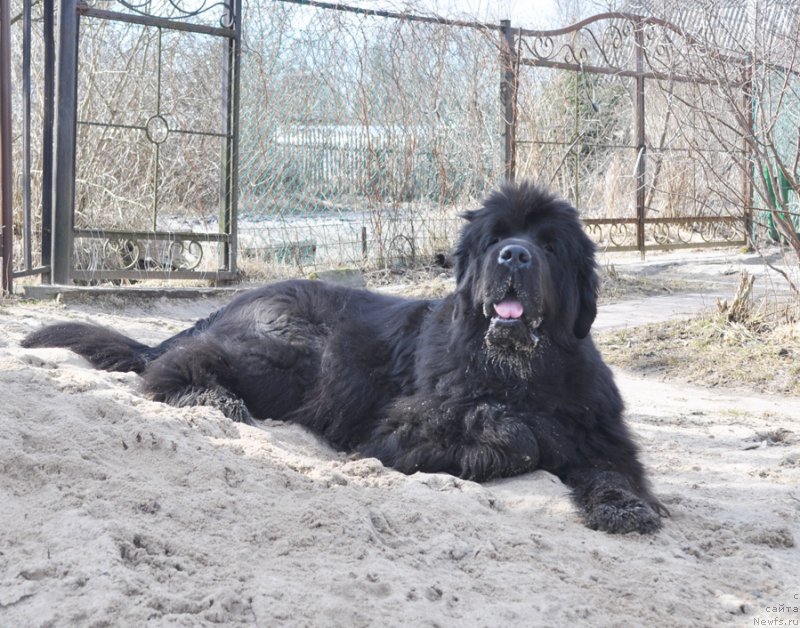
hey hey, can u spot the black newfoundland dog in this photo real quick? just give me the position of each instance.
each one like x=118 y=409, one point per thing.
x=499 y=378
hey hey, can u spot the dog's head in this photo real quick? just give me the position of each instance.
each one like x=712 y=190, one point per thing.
x=525 y=269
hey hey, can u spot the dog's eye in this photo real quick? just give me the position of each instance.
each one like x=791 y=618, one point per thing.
x=492 y=241
x=549 y=247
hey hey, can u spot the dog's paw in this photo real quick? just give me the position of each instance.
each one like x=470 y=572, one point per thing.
x=621 y=516
x=236 y=410
x=232 y=407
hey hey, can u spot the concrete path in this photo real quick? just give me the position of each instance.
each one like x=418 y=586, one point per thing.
x=655 y=309
x=715 y=273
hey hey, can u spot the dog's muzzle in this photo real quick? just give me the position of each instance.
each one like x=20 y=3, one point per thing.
x=513 y=304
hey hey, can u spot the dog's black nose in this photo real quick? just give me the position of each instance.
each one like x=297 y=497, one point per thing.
x=514 y=256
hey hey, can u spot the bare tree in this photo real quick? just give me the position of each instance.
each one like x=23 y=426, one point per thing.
x=747 y=102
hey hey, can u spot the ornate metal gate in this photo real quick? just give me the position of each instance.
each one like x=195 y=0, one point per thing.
x=140 y=80
x=607 y=112
x=652 y=184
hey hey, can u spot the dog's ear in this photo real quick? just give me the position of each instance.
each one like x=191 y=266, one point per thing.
x=588 y=285
x=460 y=306
x=461 y=253
x=461 y=258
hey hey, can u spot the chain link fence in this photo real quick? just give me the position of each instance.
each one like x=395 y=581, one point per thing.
x=612 y=115
x=362 y=136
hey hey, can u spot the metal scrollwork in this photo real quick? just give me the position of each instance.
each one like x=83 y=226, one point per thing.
x=576 y=55
x=157 y=129
x=695 y=232
x=619 y=234
x=595 y=232
x=663 y=234
x=609 y=41
x=190 y=251
x=175 y=9
x=708 y=232
x=541 y=47
x=613 y=37
x=121 y=253
x=614 y=235
x=611 y=46
x=685 y=233
x=149 y=255
x=615 y=46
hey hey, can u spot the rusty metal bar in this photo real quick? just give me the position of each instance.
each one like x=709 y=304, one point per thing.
x=610 y=71
x=678 y=220
x=641 y=148
x=6 y=210
x=507 y=97
x=48 y=36
x=230 y=170
x=88 y=275
x=143 y=128
x=408 y=17
x=233 y=137
x=159 y=22
x=683 y=220
x=66 y=123
x=27 y=219
x=747 y=161
x=151 y=235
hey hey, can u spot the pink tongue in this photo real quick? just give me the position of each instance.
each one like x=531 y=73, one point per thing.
x=509 y=308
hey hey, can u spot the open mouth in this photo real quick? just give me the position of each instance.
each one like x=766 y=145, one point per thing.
x=509 y=312
x=509 y=309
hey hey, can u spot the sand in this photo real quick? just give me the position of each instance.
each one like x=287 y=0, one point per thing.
x=119 y=511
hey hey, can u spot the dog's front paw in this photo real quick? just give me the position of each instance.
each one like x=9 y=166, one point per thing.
x=623 y=515
x=232 y=407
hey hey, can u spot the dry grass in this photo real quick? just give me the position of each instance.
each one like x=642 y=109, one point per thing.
x=743 y=343
x=423 y=282
x=711 y=351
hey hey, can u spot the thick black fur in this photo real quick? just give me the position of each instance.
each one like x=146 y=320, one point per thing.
x=436 y=386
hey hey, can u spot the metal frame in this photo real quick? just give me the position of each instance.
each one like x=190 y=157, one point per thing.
x=518 y=48
x=65 y=135
x=64 y=233
x=555 y=49
x=6 y=175
x=508 y=96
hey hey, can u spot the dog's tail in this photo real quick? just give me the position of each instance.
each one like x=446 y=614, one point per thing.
x=104 y=348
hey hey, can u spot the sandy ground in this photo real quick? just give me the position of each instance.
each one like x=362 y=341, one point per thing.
x=119 y=511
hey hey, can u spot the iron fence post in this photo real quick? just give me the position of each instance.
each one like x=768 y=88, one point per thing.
x=6 y=214
x=48 y=36
x=27 y=219
x=748 y=173
x=65 y=135
x=641 y=147
x=230 y=171
x=508 y=97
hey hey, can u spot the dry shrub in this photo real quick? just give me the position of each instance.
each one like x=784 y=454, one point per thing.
x=768 y=315
x=742 y=309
